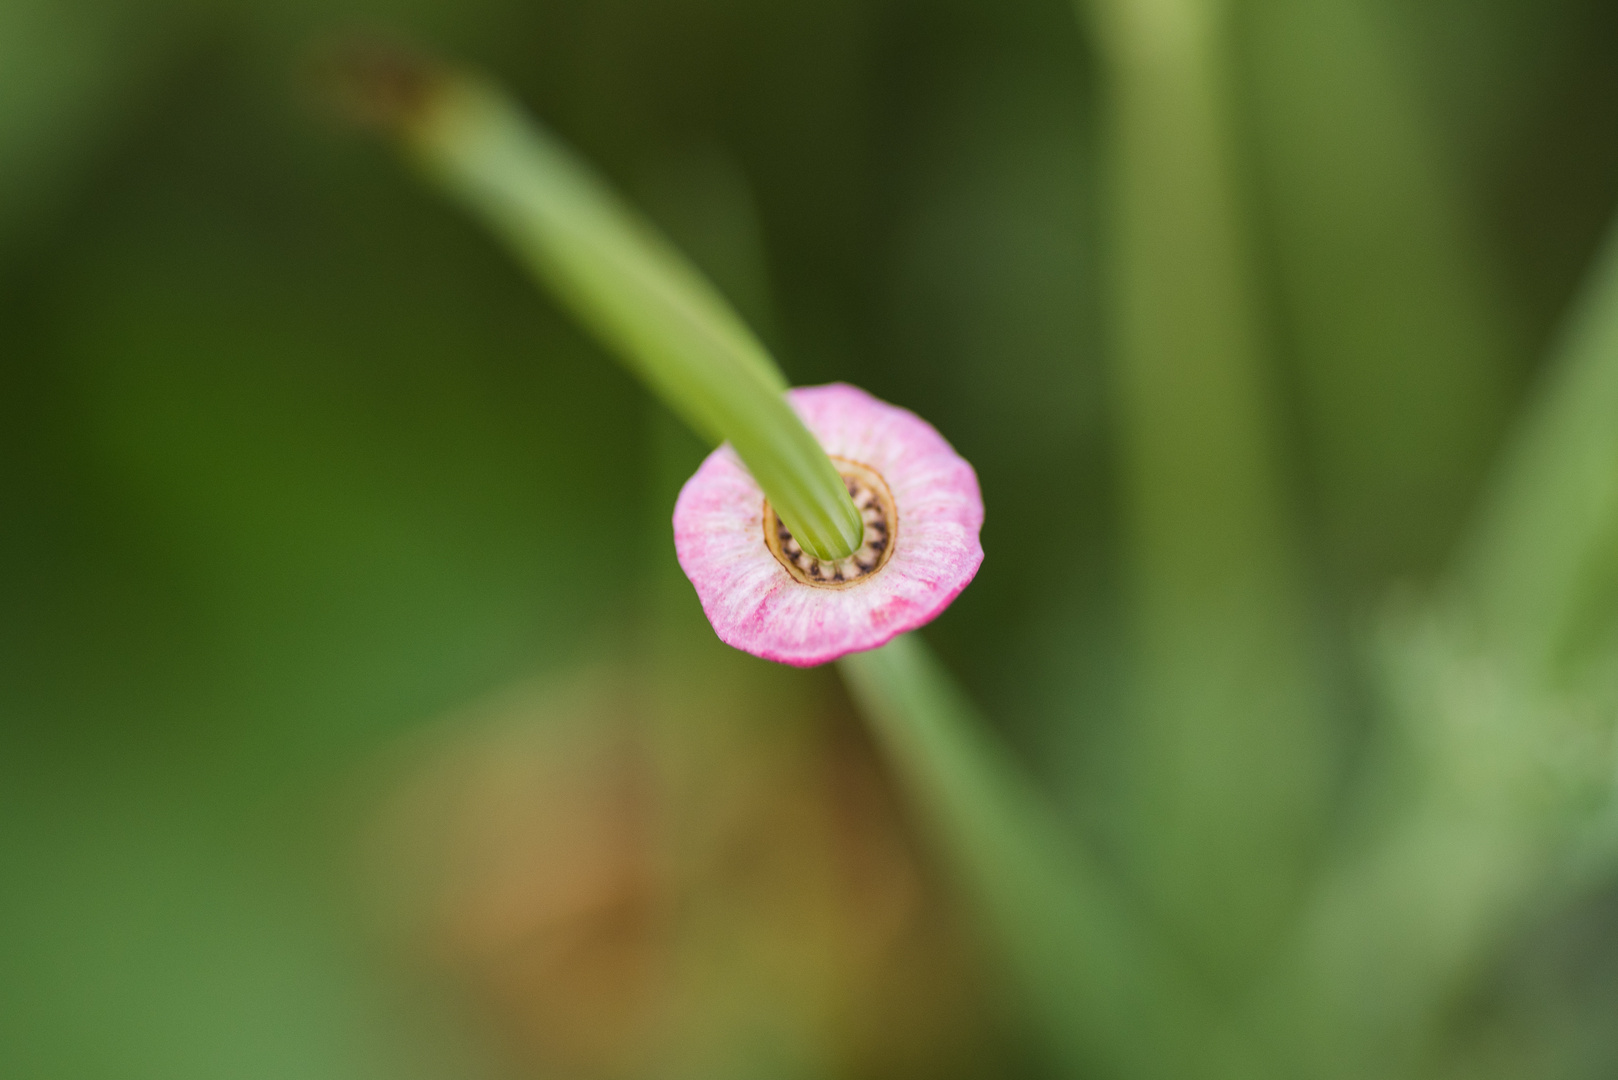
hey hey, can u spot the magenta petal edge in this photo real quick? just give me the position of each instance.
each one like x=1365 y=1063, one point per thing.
x=755 y=604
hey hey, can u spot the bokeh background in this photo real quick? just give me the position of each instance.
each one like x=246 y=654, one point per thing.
x=355 y=720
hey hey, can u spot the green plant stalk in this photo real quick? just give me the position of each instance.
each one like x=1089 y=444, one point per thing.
x=629 y=286
x=1094 y=980
x=1226 y=767
x=1398 y=323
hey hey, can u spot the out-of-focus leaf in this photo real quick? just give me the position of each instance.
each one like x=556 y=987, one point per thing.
x=1502 y=765
x=1541 y=565
x=1484 y=779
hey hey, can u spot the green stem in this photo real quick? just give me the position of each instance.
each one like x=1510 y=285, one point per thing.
x=1095 y=981
x=1398 y=325
x=629 y=286
x=1226 y=755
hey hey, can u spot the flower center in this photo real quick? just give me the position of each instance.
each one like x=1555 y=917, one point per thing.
x=875 y=504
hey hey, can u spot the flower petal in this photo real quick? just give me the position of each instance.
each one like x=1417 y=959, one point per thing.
x=756 y=606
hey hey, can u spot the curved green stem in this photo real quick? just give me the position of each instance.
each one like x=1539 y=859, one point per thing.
x=635 y=292
x=1100 y=987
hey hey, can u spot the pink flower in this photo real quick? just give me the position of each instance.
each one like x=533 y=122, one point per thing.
x=766 y=596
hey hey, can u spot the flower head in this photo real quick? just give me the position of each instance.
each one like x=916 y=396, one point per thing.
x=765 y=595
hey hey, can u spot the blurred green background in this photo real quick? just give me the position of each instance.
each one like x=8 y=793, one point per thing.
x=355 y=720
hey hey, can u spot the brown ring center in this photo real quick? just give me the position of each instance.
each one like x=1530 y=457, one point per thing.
x=875 y=504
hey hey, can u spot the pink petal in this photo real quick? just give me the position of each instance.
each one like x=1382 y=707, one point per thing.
x=756 y=606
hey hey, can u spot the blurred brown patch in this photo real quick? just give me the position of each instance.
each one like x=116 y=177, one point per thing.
x=370 y=80
x=632 y=883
